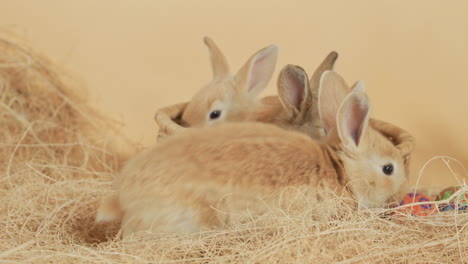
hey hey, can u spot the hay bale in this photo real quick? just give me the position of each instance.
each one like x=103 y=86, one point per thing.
x=56 y=162
x=56 y=153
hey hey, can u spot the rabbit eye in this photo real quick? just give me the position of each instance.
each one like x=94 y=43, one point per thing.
x=388 y=169
x=215 y=114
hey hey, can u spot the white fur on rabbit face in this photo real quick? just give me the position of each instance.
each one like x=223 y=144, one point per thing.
x=375 y=166
x=231 y=97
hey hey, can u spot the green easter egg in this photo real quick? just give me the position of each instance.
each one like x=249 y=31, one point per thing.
x=447 y=192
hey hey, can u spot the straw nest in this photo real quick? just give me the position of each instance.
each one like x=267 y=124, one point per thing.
x=57 y=161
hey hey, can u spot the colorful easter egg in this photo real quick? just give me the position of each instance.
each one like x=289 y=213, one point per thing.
x=417 y=209
x=453 y=207
x=447 y=192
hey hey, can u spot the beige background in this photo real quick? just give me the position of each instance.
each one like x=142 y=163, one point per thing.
x=136 y=56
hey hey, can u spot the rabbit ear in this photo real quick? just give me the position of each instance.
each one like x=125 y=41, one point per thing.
x=327 y=65
x=293 y=87
x=332 y=91
x=352 y=120
x=359 y=86
x=218 y=61
x=254 y=76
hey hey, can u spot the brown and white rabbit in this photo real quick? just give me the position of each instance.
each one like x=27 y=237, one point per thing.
x=207 y=177
x=231 y=97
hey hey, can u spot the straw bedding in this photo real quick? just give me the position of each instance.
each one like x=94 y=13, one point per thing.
x=57 y=159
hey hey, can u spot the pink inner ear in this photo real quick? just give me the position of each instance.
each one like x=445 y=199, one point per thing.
x=355 y=121
x=294 y=90
x=256 y=72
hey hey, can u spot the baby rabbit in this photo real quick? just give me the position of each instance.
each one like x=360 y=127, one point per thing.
x=227 y=98
x=398 y=136
x=230 y=97
x=295 y=108
x=297 y=98
x=207 y=177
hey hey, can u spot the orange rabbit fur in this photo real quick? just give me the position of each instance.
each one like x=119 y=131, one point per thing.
x=207 y=177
